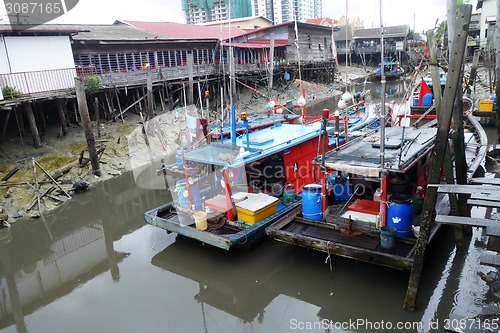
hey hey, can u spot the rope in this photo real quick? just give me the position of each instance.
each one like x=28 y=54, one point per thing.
x=329 y=257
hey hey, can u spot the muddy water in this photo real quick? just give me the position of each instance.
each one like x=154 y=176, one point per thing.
x=93 y=265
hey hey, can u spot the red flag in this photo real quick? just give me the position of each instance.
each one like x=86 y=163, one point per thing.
x=424 y=89
x=427 y=55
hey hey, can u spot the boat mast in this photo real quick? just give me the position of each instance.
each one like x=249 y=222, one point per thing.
x=382 y=122
x=232 y=89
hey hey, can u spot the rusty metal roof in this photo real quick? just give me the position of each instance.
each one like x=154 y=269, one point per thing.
x=259 y=44
x=399 y=31
x=187 y=31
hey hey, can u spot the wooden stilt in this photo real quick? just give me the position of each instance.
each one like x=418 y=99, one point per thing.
x=138 y=107
x=149 y=99
x=168 y=96
x=75 y=109
x=19 y=125
x=117 y=95
x=31 y=121
x=110 y=107
x=62 y=116
x=464 y=232
x=190 y=76
x=97 y=116
x=84 y=114
x=162 y=99
x=6 y=123
x=37 y=187
x=452 y=84
x=41 y=116
x=473 y=72
x=144 y=94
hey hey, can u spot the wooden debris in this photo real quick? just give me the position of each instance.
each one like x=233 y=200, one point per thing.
x=53 y=180
x=10 y=174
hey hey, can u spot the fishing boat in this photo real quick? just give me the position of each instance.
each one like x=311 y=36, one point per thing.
x=388 y=172
x=392 y=71
x=356 y=228
x=422 y=95
x=229 y=191
x=274 y=113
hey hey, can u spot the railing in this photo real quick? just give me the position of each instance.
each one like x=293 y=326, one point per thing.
x=26 y=83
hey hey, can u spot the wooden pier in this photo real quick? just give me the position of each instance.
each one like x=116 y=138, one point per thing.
x=482 y=192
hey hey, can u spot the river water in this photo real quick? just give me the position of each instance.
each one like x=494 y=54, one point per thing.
x=93 y=265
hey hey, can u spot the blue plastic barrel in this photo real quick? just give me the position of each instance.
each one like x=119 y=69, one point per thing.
x=311 y=202
x=427 y=99
x=400 y=214
x=183 y=197
x=341 y=187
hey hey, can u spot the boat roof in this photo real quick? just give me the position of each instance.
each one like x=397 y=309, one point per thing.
x=442 y=79
x=389 y=63
x=262 y=143
x=403 y=146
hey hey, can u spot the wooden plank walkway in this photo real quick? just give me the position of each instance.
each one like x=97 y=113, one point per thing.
x=483 y=192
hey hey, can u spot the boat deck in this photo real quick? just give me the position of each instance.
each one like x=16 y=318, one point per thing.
x=221 y=232
x=342 y=237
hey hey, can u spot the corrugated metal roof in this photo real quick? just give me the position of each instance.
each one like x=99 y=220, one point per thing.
x=46 y=29
x=187 y=31
x=389 y=32
x=259 y=44
x=91 y=32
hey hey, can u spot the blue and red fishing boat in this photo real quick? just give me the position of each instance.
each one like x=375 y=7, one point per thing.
x=229 y=191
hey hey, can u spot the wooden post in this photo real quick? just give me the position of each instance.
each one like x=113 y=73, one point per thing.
x=84 y=115
x=149 y=99
x=117 y=95
x=6 y=123
x=37 y=187
x=462 y=233
x=31 y=121
x=110 y=107
x=162 y=99
x=60 y=108
x=41 y=117
x=190 y=75
x=473 y=72
x=441 y=142
x=97 y=116
x=436 y=82
x=20 y=126
x=271 y=67
x=75 y=108
x=138 y=106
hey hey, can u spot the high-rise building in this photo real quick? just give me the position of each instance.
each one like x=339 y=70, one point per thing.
x=280 y=11
x=202 y=11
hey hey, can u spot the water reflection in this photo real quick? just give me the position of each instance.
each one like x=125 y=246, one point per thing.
x=43 y=260
x=276 y=287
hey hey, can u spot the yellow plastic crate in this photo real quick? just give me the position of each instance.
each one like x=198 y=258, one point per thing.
x=256 y=208
x=486 y=105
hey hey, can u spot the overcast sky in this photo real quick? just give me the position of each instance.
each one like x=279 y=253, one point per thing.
x=418 y=14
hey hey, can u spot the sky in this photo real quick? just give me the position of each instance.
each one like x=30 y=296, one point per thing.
x=420 y=15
